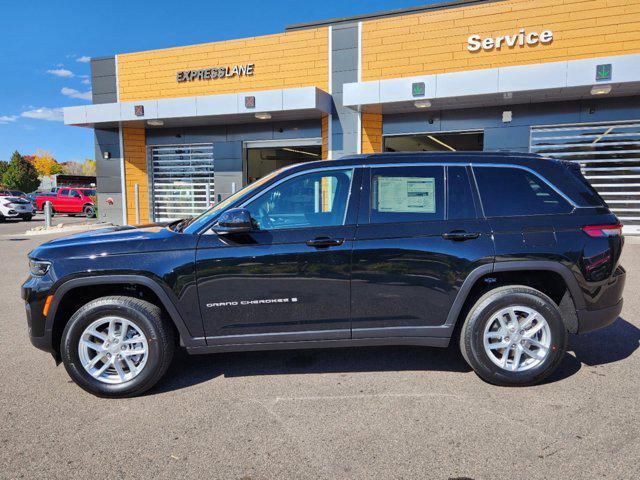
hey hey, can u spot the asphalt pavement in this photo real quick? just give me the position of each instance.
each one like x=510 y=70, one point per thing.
x=383 y=413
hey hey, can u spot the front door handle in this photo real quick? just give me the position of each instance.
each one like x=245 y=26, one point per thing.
x=325 y=242
x=460 y=235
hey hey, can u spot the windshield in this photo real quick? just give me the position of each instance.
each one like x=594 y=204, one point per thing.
x=89 y=193
x=205 y=218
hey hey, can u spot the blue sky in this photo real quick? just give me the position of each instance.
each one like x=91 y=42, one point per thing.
x=45 y=47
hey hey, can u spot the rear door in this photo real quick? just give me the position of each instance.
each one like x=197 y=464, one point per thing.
x=419 y=235
x=529 y=217
x=288 y=279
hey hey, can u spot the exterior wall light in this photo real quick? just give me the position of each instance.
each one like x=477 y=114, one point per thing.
x=106 y=155
x=600 y=89
x=263 y=116
x=155 y=123
x=422 y=103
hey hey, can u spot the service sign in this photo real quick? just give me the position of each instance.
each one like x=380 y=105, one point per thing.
x=214 y=73
x=522 y=38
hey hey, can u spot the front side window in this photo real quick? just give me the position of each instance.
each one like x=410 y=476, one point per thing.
x=64 y=193
x=407 y=194
x=316 y=199
x=509 y=192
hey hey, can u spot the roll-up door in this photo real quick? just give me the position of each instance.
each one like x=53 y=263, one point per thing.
x=609 y=156
x=180 y=176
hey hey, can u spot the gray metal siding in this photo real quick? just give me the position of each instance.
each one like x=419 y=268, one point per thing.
x=344 y=69
x=103 y=80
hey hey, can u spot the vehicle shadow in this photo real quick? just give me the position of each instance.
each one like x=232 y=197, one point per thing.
x=614 y=343
x=608 y=345
x=187 y=370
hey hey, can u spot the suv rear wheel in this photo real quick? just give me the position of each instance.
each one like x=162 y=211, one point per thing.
x=89 y=211
x=513 y=336
x=117 y=346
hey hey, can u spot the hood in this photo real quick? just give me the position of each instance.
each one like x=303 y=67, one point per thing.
x=111 y=241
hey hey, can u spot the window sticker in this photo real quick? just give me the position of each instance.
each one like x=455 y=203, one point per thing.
x=406 y=194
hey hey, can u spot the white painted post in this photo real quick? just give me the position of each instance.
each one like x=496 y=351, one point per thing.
x=47 y=214
x=137 y=199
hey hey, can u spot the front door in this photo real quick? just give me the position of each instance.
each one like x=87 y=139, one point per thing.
x=288 y=280
x=417 y=241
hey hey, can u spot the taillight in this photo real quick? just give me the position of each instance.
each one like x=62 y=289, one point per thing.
x=603 y=230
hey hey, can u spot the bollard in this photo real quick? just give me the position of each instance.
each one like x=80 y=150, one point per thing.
x=47 y=214
x=137 y=199
x=233 y=188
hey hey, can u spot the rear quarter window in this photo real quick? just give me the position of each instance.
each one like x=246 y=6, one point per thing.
x=507 y=192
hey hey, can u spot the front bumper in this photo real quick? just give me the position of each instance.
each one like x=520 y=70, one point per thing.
x=39 y=335
x=17 y=213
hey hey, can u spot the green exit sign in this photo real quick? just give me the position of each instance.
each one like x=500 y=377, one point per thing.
x=418 y=89
x=604 y=72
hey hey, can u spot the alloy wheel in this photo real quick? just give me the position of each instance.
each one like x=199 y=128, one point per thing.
x=517 y=338
x=113 y=350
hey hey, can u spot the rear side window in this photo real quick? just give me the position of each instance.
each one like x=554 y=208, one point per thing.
x=460 y=204
x=407 y=194
x=509 y=192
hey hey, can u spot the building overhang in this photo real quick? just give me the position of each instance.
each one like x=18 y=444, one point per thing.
x=542 y=82
x=283 y=104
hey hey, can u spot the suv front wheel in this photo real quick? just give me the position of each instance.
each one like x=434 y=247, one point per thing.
x=513 y=336
x=117 y=346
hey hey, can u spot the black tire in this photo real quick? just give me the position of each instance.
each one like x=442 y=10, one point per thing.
x=147 y=317
x=89 y=211
x=2 y=218
x=472 y=335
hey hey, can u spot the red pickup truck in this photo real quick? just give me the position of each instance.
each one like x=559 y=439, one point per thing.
x=71 y=201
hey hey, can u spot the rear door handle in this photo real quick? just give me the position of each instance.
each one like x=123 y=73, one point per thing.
x=325 y=242
x=460 y=235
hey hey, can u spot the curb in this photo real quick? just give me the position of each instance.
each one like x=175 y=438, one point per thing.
x=62 y=228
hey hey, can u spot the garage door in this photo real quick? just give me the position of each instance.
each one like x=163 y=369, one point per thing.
x=180 y=176
x=609 y=156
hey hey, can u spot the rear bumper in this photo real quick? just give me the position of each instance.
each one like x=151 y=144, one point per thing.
x=590 y=320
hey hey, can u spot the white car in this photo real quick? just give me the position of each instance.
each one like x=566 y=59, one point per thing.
x=14 y=207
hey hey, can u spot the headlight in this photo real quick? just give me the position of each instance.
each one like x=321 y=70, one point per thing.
x=38 y=268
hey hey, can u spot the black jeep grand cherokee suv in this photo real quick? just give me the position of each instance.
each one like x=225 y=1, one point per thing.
x=505 y=252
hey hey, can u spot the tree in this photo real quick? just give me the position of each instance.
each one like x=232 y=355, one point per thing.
x=72 y=168
x=89 y=167
x=45 y=163
x=20 y=174
x=3 y=168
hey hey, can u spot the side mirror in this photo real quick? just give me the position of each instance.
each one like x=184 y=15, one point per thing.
x=236 y=220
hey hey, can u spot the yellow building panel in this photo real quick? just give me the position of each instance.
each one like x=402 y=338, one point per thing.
x=135 y=172
x=395 y=46
x=371 y=133
x=287 y=60
x=325 y=137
